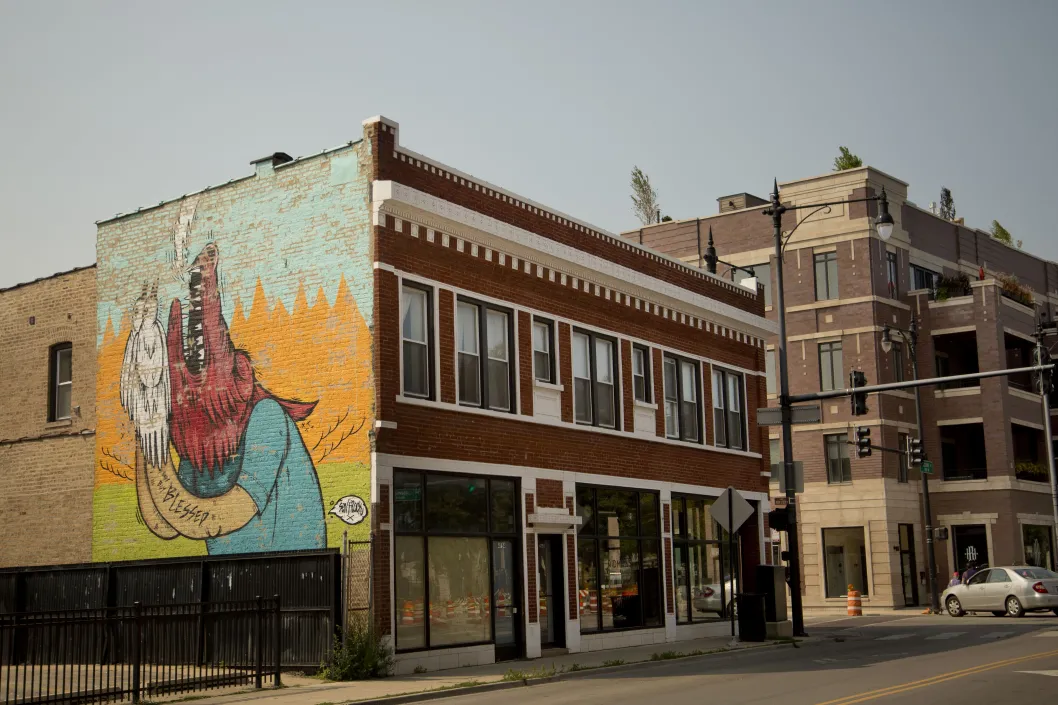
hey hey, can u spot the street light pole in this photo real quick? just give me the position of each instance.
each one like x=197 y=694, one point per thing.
x=911 y=335
x=777 y=210
x=1045 y=403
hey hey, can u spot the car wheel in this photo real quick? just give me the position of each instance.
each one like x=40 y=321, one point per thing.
x=1014 y=608
x=999 y=613
x=1055 y=611
x=954 y=607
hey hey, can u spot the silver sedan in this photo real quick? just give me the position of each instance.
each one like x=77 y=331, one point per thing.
x=1009 y=590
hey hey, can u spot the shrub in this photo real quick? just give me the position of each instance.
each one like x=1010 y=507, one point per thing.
x=361 y=655
x=1014 y=290
x=955 y=285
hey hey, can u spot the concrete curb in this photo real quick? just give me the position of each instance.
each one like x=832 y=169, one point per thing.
x=569 y=675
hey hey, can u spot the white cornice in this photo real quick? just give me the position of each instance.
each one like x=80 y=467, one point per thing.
x=458 y=219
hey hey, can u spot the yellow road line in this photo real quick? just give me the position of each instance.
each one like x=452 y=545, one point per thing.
x=933 y=680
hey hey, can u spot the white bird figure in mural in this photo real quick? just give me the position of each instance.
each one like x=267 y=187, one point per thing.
x=145 y=393
x=181 y=235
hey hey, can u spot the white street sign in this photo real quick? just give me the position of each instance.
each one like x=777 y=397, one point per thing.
x=733 y=516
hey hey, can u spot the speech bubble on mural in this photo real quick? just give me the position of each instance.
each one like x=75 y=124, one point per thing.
x=350 y=509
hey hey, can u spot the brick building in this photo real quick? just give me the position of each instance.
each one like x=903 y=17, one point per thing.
x=527 y=416
x=861 y=519
x=47 y=419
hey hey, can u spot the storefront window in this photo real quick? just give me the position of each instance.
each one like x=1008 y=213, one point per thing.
x=618 y=559
x=1039 y=550
x=701 y=594
x=845 y=560
x=447 y=528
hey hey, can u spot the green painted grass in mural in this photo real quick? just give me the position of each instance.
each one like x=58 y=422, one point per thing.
x=119 y=535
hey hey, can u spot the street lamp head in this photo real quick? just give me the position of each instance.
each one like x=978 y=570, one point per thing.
x=884 y=221
x=887 y=340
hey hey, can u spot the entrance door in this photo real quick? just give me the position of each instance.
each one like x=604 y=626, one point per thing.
x=505 y=597
x=907 y=564
x=970 y=545
x=549 y=587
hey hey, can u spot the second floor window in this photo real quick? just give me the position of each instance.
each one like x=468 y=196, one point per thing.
x=898 y=362
x=836 y=452
x=60 y=385
x=415 y=340
x=727 y=409
x=826 y=265
x=830 y=366
x=892 y=276
x=641 y=373
x=922 y=278
x=594 y=379
x=682 y=408
x=543 y=351
x=483 y=343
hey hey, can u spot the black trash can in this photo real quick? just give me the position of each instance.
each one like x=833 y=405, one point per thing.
x=751 y=626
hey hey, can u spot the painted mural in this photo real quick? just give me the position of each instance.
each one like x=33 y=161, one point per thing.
x=232 y=419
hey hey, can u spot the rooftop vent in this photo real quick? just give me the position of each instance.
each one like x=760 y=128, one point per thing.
x=738 y=201
x=267 y=164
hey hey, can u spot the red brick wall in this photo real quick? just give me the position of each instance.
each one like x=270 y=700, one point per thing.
x=465 y=194
x=525 y=361
x=571 y=576
x=446 y=339
x=549 y=493
x=566 y=373
x=659 y=391
x=627 y=393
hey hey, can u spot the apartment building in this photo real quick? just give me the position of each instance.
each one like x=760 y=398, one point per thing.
x=527 y=417
x=975 y=299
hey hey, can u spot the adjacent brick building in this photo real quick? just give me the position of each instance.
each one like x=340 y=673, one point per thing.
x=528 y=417
x=861 y=519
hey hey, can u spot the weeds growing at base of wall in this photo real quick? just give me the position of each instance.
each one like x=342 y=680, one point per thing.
x=540 y=672
x=614 y=662
x=361 y=655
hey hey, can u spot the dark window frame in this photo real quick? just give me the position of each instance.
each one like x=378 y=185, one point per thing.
x=490 y=535
x=903 y=464
x=898 y=361
x=927 y=277
x=430 y=384
x=726 y=397
x=53 y=380
x=838 y=375
x=680 y=537
x=483 y=354
x=866 y=572
x=681 y=431
x=600 y=538
x=892 y=273
x=830 y=288
x=551 y=363
x=615 y=355
x=843 y=457
x=648 y=378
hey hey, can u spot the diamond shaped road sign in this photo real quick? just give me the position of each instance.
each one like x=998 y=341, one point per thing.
x=730 y=510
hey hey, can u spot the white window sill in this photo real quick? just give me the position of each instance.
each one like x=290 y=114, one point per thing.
x=548 y=385
x=645 y=405
x=59 y=423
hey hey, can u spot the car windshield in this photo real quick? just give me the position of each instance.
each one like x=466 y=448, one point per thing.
x=1036 y=573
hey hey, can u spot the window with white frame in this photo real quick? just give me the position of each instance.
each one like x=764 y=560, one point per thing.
x=594 y=379
x=483 y=346
x=415 y=327
x=641 y=373
x=683 y=412
x=61 y=382
x=543 y=350
x=728 y=419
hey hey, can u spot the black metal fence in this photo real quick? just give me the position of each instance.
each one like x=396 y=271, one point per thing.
x=310 y=582
x=128 y=653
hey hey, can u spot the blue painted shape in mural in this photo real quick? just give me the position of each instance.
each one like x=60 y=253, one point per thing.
x=274 y=467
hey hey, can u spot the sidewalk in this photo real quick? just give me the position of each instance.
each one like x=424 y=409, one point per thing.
x=302 y=690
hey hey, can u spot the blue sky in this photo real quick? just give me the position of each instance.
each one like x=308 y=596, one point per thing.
x=109 y=106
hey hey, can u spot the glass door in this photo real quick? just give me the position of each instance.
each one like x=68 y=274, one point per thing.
x=505 y=597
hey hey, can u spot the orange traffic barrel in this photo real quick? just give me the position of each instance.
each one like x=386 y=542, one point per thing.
x=855 y=604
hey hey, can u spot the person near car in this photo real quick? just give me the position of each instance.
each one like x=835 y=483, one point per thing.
x=971 y=568
x=954 y=579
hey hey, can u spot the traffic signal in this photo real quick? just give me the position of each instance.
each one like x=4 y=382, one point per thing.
x=778 y=519
x=859 y=399
x=914 y=451
x=863 y=441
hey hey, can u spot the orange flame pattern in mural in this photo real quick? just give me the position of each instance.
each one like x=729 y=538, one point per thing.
x=322 y=351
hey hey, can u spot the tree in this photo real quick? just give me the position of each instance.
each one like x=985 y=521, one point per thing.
x=846 y=160
x=1000 y=233
x=644 y=197
x=947 y=204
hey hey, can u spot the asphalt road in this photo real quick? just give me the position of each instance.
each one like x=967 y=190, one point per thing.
x=916 y=660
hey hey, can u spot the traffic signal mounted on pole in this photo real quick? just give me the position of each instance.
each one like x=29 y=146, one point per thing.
x=859 y=400
x=863 y=441
x=914 y=451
